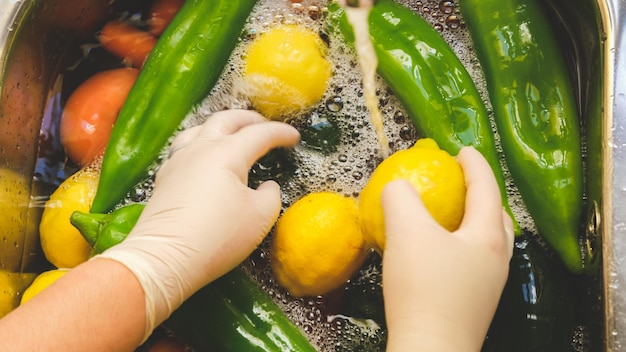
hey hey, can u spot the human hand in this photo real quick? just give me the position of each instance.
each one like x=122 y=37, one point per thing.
x=441 y=289
x=202 y=219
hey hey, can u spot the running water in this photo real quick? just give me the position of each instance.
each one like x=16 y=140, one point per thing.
x=357 y=12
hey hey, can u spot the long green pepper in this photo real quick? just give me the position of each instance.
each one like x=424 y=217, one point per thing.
x=430 y=81
x=535 y=114
x=181 y=70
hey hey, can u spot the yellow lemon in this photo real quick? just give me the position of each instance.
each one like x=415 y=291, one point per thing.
x=17 y=220
x=41 y=282
x=61 y=242
x=286 y=70
x=435 y=174
x=317 y=244
x=11 y=287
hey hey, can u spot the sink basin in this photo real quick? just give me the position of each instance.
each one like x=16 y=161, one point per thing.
x=35 y=38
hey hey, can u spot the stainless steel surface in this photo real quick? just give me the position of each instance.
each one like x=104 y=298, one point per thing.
x=35 y=33
x=34 y=37
x=614 y=13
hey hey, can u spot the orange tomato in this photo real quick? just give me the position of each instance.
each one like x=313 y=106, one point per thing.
x=91 y=111
x=127 y=42
x=161 y=14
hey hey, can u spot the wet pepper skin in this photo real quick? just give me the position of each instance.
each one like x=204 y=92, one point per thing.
x=103 y=231
x=536 y=114
x=181 y=70
x=430 y=81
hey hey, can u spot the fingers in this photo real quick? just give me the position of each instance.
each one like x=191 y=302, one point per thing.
x=221 y=123
x=228 y=122
x=401 y=202
x=249 y=135
x=254 y=141
x=483 y=204
x=183 y=138
x=267 y=200
x=509 y=231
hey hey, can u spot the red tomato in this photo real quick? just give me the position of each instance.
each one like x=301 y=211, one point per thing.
x=161 y=14
x=91 y=111
x=127 y=42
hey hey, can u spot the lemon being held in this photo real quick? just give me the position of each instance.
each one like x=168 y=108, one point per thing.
x=318 y=244
x=286 y=71
x=435 y=174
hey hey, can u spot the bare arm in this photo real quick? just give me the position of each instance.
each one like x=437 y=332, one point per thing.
x=97 y=306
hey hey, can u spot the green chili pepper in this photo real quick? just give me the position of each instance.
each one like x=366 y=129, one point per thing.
x=429 y=80
x=103 y=231
x=233 y=313
x=535 y=113
x=181 y=70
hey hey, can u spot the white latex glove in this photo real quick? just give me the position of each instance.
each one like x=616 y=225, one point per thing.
x=441 y=289
x=202 y=219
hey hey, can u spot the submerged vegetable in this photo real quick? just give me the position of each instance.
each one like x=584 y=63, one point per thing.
x=184 y=65
x=162 y=12
x=429 y=80
x=536 y=310
x=234 y=314
x=535 y=113
x=127 y=42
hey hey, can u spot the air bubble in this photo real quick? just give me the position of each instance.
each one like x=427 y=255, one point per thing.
x=453 y=21
x=314 y=12
x=446 y=7
x=407 y=133
x=334 y=104
x=399 y=117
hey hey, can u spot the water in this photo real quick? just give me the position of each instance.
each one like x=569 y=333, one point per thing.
x=357 y=16
x=370 y=124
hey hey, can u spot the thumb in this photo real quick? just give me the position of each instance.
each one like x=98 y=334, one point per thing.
x=267 y=200
x=403 y=212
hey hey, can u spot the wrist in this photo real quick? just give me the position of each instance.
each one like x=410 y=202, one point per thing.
x=164 y=291
x=432 y=334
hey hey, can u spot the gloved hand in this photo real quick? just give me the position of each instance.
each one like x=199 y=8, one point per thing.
x=441 y=289
x=202 y=220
